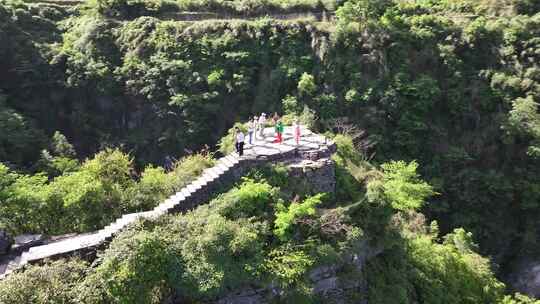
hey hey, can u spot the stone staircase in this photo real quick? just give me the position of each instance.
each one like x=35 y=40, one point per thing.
x=225 y=171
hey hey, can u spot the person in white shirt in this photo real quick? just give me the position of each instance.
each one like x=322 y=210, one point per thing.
x=251 y=129
x=239 y=140
x=262 y=122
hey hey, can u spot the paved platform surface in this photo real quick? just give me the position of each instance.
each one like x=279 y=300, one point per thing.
x=267 y=146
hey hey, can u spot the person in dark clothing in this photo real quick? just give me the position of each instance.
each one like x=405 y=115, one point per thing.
x=168 y=163
x=239 y=140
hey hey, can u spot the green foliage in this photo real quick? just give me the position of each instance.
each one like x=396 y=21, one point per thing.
x=153 y=188
x=518 y=299
x=290 y=104
x=346 y=152
x=220 y=254
x=361 y=10
x=23 y=209
x=471 y=282
x=402 y=186
x=288 y=264
x=60 y=158
x=286 y=217
x=452 y=84
x=60 y=146
x=125 y=8
x=52 y=283
x=90 y=197
x=200 y=255
x=524 y=120
x=19 y=140
x=306 y=84
x=349 y=169
x=188 y=169
x=112 y=167
x=528 y=7
x=433 y=273
x=139 y=267
x=275 y=175
x=247 y=200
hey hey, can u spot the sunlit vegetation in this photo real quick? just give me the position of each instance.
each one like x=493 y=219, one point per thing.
x=433 y=105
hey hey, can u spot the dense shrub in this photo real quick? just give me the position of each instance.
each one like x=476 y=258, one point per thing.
x=51 y=283
x=286 y=217
x=250 y=199
x=430 y=272
x=188 y=169
x=138 y=267
x=20 y=140
x=153 y=188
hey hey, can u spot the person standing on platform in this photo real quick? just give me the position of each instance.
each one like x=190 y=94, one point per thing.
x=262 y=122
x=297 y=132
x=239 y=141
x=275 y=119
x=279 y=132
x=251 y=129
x=256 y=124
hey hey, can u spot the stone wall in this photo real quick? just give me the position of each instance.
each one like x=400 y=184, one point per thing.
x=317 y=175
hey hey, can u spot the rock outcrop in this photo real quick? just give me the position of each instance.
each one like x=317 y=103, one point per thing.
x=330 y=282
x=526 y=277
x=5 y=242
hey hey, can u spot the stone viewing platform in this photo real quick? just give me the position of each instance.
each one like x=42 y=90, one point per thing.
x=310 y=159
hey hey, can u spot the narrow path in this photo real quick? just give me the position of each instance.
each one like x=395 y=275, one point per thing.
x=225 y=172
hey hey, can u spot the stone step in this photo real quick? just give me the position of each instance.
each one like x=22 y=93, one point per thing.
x=204 y=180
x=224 y=168
x=227 y=162
x=199 y=183
x=185 y=192
x=167 y=205
x=233 y=157
x=209 y=178
x=193 y=188
x=213 y=173
x=178 y=196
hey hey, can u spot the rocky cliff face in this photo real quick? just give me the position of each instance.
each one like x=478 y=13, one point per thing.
x=319 y=175
x=526 y=277
x=336 y=284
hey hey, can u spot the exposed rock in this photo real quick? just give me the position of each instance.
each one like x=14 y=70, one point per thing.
x=326 y=285
x=5 y=242
x=245 y=296
x=526 y=278
x=26 y=241
x=319 y=174
x=322 y=272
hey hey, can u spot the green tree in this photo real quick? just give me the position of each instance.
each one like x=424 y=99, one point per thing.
x=286 y=217
x=306 y=84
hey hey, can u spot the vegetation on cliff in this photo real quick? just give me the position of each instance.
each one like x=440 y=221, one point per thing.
x=444 y=89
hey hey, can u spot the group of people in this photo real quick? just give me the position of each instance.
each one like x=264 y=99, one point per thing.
x=256 y=127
